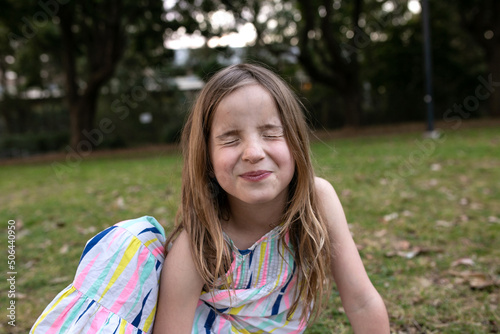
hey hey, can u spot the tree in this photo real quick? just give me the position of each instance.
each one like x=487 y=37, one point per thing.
x=324 y=55
x=89 y=39
x=480 y=19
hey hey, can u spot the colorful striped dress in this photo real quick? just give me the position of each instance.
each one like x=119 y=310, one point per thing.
x=116 y=284
x=262 y=291
x=115 y=289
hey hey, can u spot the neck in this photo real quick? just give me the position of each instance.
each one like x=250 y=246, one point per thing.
x=255 y=219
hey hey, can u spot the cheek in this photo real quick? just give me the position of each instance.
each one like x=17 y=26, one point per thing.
x=222 y=164
x=284 y=156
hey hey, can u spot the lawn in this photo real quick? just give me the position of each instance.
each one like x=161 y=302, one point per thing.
x=425 y=214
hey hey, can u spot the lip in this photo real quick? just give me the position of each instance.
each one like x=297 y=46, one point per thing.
x=255 y=176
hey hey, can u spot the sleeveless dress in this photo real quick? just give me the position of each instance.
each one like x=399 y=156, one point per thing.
x=262 y=291
x=116 y=286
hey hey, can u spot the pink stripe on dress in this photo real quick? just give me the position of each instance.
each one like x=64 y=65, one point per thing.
x=220 y=296
x=98 y=321
x=81 y=278
x=132 y=283
x=62 y=316
x=158 y=250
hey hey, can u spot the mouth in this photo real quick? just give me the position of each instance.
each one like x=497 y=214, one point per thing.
x=256 y=175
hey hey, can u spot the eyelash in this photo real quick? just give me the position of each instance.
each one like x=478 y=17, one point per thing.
x=230 y=142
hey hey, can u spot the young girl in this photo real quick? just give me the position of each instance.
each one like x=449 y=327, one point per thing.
x=257 y=239
x=258 y=233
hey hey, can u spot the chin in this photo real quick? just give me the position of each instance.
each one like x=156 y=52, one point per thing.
x=260 y=199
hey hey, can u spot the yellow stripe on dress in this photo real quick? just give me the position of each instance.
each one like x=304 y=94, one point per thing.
x=64 y=295
x=236 y=310
x=149 y=320
x=128 y=255
x=123 y=327
x=150 y=242
x=261 y=259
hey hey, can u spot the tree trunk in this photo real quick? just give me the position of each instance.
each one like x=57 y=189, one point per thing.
x=82 y=117
x=494 y=67
x=352 y=107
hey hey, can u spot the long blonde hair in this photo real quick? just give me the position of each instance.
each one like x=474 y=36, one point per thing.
x=204 y=203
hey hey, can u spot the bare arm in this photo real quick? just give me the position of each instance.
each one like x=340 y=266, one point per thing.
x=363 y=305
x=180 y=289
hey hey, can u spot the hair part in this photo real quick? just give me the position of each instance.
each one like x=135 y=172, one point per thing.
x=204 y=203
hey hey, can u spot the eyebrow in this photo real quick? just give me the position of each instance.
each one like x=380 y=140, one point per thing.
x=228 y=134
x=270 y=127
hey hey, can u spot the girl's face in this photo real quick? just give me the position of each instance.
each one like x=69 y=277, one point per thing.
x=248 y=150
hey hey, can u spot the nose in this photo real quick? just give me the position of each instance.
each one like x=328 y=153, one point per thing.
x=253 y=152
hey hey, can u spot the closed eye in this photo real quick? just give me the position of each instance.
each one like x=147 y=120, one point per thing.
x=229 y=141
x=273 y=135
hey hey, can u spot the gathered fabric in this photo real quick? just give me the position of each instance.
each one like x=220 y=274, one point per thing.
x=262 y=281
x=115 y=289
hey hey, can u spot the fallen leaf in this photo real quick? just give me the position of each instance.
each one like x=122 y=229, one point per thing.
x=120 y=203
x=384 y=182
x=402 y=245
x=391 y=216
x=476 y=280
x=493 y=220
x=464 y=201
x=443 y=223
x=411 y=254
x=476 y=206
x=435 y=167
x=60 y=279
x=407 y=213
x=390 y=254
x=20 y=295
x=424 y=282
x=433 y=182
x=64 y=249
x=381 y=233
x=86 y=231
x=481 y=282
x=466 y=261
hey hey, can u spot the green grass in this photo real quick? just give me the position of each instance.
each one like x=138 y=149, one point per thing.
x=401 y=193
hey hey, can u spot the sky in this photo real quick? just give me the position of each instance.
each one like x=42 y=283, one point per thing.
x=246 y=34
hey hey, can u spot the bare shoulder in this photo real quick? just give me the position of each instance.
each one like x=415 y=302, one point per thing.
x=323 y=187
x=180 y=288
x=328 y=201
x=180 y=255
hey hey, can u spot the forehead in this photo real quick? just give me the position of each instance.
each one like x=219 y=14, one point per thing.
x=248 y=103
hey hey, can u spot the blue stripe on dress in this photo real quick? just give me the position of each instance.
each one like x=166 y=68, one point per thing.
x=137 y=319
x=276 y=306
x=210 y=321
x=95 y=240
x=152 y=229
x=249 y=282
x=91 y=303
